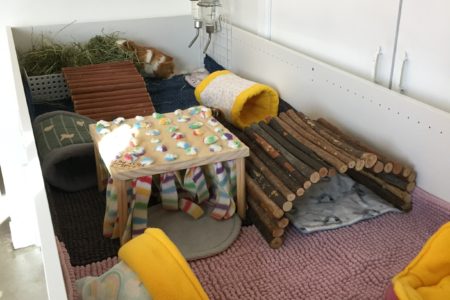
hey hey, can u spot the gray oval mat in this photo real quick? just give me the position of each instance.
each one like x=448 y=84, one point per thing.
x=195 y=238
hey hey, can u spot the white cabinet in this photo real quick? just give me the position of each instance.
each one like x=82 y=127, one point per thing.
x=346 y=33
x=413 y=36
x=424 y=36
x=248 y=14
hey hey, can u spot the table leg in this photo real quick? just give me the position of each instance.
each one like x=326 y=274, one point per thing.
x=122 y=205
x=240 y=187
x=102 y=174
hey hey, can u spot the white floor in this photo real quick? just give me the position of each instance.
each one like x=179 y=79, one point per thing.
x=21 y=271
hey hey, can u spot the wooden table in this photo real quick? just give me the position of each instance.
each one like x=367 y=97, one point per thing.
x=107 y=147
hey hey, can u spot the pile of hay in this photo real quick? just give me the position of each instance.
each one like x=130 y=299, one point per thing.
x=48 y=56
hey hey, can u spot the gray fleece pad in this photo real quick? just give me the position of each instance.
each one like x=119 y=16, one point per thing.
x=195 y=238
x=336 y=202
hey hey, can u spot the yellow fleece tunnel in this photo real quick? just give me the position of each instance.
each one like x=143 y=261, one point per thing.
x=242 y=101
x=160 y=266
x=428 y=275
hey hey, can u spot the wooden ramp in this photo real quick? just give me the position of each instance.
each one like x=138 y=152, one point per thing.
x=109 y=90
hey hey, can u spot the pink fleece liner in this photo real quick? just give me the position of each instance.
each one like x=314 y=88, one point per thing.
x=354 y=262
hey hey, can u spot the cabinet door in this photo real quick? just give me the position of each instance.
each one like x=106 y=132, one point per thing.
x=346 y=33
x=424 y=37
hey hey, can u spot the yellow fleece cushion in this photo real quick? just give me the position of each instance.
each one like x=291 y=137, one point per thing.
x=161 y=267
x=242 y=101
x=428 y=275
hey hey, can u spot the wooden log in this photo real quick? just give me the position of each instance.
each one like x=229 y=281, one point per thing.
x=283 y=222
x=271 y=177
x=360 y=163
x=406 y=171
x=267 y=220
x=379 y=167
x=356 y=143
x=302 y=167
x=274 y=242
x=305 y=131
x=278 y=158
x=265 y=202
x=340 y=166
x=394 y=190
x=332 y=172
x=397 y=168
x=388 y=167
x=285 y=184
x=399 y=182
x=412 y=176
x=241 y=203
x=369 y=158
x=312 y=163
x=268 y=189
x=411 y=186
x=298 y=149
x=403 y=204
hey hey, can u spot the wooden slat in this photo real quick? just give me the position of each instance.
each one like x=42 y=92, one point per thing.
x=109 y=90
x=120 y=100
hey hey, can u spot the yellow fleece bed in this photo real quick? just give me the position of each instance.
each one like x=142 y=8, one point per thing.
x=427 y=277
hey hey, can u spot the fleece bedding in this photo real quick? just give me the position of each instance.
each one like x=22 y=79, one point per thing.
x=335 y=202
x=354 y=262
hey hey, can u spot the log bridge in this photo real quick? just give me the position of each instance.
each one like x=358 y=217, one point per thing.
x=291 y=152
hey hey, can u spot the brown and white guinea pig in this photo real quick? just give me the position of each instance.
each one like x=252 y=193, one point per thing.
x=155 y=62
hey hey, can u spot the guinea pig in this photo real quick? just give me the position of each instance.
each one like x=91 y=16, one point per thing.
x=155 y=62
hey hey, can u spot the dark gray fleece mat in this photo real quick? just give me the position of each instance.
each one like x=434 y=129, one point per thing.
x=195 y=238
x=78 y=221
